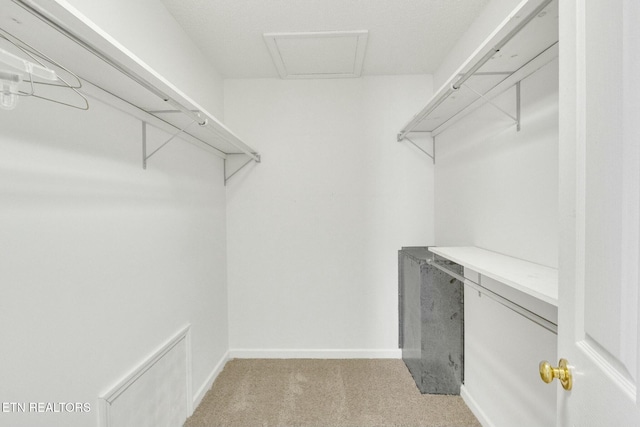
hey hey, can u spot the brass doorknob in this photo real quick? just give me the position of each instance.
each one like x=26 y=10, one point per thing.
x=562 y=373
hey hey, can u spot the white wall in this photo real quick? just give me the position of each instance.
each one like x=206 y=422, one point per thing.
x=497 y=188
x=313 y=231
x=146 y=28
x=101 y=261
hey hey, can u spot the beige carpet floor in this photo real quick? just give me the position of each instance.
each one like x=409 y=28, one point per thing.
x=328 y=393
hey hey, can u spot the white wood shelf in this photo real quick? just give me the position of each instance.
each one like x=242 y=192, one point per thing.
x=523 y=43
x=111 y=73
x=536 y=280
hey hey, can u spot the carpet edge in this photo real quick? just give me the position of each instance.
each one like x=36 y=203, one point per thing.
x=315 y=353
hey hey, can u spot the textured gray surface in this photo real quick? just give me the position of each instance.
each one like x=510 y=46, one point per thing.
x=431 y=305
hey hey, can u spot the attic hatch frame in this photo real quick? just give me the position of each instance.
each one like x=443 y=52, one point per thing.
x=209 y=122
x=514 y=79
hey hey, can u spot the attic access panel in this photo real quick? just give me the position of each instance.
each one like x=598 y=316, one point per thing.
x=313 y=55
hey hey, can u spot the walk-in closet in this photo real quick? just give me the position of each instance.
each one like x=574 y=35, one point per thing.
x=319 y=213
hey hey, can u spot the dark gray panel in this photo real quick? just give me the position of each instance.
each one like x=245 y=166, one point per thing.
x=431 y=322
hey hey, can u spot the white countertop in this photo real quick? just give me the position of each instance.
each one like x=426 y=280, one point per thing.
x=533 y=279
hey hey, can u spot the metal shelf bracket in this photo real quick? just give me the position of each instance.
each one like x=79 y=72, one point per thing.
x=431 y=155
x=232 y=167
x=146 y=156
x=515 y=118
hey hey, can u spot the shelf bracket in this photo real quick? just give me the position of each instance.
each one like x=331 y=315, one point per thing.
x=433 y=147
x=515 y=118
x=146 y=157
x=230 y=170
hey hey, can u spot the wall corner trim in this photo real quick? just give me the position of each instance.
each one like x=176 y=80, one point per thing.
x=206 y=386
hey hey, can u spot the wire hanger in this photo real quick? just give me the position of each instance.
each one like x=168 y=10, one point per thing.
x=73 y=83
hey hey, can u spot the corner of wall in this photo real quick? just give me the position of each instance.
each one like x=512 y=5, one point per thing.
x=206 y=386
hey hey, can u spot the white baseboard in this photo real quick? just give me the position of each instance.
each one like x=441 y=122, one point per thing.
x=199 y=395
x=314 y=354
x=473 y=405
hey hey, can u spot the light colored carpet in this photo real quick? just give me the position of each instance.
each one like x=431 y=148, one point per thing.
x=327 y=393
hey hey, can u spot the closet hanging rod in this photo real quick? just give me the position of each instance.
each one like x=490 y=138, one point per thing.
x=45 y=17
x=517 y=308
x=512 y=80
x=167 y=111
x=464 y=77
x=500 y=44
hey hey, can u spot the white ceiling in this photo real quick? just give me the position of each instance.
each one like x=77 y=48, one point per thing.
x=405 y=36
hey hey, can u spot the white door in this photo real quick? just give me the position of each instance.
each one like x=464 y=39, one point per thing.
x=600 y=211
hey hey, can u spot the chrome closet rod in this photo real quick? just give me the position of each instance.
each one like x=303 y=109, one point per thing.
x=43 y=16
x=464 y=77
x=500 y=44
x=526 y=313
